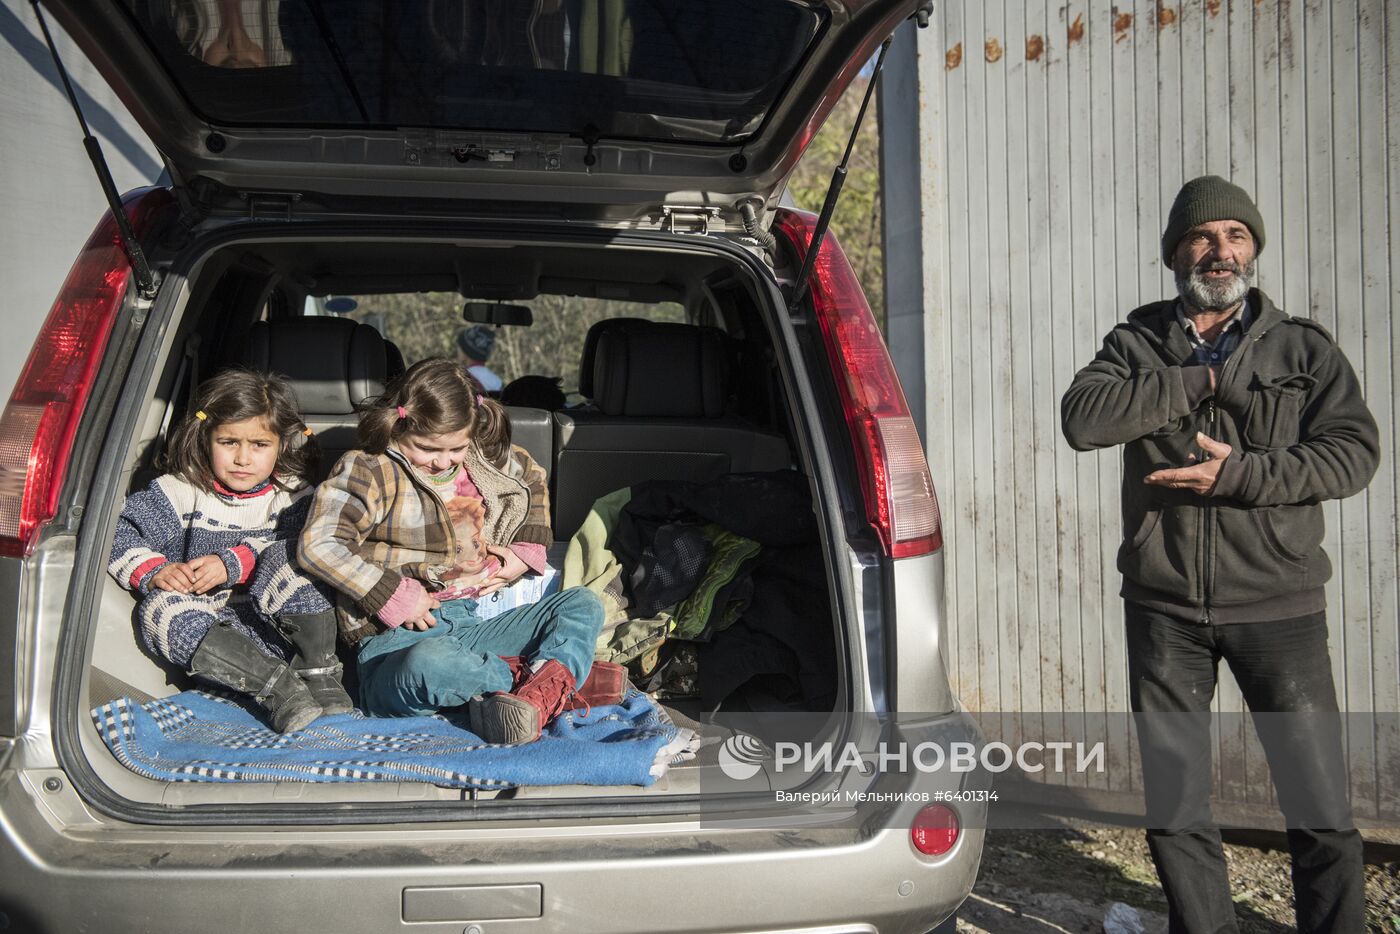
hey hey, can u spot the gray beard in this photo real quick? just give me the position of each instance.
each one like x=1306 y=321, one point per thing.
x=1206 y=295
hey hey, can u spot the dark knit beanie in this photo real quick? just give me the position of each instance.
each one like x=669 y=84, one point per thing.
x=1210 y=198
x=476 y=341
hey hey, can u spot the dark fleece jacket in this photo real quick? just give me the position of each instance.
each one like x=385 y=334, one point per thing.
x=1289 y=404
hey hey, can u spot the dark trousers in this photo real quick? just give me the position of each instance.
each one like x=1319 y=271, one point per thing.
x=1285 y=676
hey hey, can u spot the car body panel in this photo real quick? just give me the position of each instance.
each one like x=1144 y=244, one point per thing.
x=79 y=855
x=75 y=859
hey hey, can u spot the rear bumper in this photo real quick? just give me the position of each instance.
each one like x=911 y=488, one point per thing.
x=62 y=869
x=688 y=883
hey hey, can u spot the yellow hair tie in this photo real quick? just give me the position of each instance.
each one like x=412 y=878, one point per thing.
x=200 y=415
x=308 y=432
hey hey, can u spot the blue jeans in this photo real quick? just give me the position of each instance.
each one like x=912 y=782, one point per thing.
x=407 y=672
x=1282 y=667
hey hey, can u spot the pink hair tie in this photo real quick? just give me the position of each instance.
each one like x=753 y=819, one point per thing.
x=480 y=399
x=403 y=413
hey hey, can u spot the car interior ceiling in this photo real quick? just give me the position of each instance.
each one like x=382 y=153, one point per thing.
x=685 y=402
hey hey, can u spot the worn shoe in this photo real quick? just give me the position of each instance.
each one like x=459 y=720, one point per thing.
x=313 y=635
x=230 y=659
x=605 y=684
x=518 y=717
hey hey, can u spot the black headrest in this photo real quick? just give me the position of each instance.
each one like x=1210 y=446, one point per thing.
x=333 y=363
x=668 y=370
x=590 y=349
x=393 y=357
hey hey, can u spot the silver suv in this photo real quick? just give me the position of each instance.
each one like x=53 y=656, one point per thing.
x=632 y=151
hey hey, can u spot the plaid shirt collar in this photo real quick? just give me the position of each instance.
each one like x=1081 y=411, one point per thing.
x=1215 y=353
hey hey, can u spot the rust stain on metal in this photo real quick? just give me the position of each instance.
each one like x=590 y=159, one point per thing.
x=954 y=57
x=993 y=50
x=1285 y=34
x=1076 y=29
x=1122 y=22
x=1165 y=16
x=1213 y=7
x=1035 y=47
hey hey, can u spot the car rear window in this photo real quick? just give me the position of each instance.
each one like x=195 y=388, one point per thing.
x=426 y=324
x=641 y=69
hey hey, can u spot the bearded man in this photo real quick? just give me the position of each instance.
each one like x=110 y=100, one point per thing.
x=1237 y=421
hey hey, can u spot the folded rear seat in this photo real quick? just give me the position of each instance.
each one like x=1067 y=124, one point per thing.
x=660 y=393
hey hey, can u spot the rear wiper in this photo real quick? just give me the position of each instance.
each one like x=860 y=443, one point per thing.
x=145 y=281
x=323 y=26
x=838 y=178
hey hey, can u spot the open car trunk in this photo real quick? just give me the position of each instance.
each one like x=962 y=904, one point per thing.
x=617 y=431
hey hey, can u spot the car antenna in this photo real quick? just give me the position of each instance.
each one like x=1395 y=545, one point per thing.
x=838 y=178
x=145 y=281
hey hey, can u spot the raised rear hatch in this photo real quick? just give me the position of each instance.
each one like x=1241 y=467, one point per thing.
x=599 y=109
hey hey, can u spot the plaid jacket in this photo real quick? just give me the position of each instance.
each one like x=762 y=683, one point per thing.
x=374 y=522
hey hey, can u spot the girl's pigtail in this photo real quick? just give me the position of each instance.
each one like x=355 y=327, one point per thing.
x=186 y=454
x=492 y=430
x=301 y=454
x=379 y=418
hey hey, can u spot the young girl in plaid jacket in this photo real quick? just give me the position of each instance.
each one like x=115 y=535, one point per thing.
x=437 y=510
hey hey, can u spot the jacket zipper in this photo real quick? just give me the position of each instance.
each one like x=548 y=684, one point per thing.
x=1208 y=520
x=1209 y=541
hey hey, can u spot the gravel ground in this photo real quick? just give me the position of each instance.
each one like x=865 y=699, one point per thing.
x=1043 y=881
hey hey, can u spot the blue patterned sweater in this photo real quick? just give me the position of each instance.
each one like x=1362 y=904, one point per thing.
x=173 y=520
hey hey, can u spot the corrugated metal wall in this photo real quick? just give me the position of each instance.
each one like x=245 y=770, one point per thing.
x=1054 y=139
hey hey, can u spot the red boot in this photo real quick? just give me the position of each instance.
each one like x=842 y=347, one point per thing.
x=605 y=684
x=518 y=717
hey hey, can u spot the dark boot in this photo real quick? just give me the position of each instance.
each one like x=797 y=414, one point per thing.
x=518 y=717
x=231 y=659
x=313 y=635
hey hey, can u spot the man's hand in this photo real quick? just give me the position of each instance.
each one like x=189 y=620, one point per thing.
x=208 y=572
x=175 y=577
x=1199 y=478
x=512 y=567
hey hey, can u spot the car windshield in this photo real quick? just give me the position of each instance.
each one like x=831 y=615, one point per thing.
x=638 y=69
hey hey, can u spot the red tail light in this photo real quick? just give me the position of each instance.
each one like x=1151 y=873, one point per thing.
x=899 y=497
x=935 y=830
x=37 y=429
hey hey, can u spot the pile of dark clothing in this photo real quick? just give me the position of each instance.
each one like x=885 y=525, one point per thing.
x=738 y=564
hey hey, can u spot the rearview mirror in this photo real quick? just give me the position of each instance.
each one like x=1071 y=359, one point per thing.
x=496 y=313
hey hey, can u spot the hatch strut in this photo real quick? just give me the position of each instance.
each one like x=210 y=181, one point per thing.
x=838 y=178
x=145 y=282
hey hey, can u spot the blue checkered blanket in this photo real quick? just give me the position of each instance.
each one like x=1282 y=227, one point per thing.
x=202 y=737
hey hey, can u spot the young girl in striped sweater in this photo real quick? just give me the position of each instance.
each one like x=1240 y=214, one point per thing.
x=210 y=546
